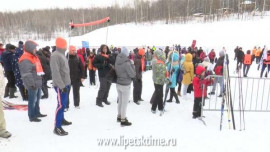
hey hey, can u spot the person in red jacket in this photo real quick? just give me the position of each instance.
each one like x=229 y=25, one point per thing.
x=199 y=84
x=212 y=56
x=247 y=63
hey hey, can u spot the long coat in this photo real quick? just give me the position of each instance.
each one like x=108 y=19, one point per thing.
x=188 y=70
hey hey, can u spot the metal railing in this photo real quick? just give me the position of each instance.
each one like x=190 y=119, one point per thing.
x=255 y=94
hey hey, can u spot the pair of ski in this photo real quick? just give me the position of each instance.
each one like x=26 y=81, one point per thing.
x=11 y=106
x=226 y=95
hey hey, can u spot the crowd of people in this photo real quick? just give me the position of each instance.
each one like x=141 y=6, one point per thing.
x=189 y=68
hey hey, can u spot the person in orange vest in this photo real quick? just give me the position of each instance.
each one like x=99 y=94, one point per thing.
x=92 y=69
x=253 y=53
x=257 y=55
x=247 y=63
x=265 y=62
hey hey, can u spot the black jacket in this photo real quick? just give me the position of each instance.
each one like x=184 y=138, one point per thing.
x=76 y=69
x=103 y=64
x=240 y=56
x=138 y=67
x=45 y=64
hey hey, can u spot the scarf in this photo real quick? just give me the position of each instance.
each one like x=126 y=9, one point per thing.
x=105 y=55
x=34 y=60
x=90 y=64
x=142 y=63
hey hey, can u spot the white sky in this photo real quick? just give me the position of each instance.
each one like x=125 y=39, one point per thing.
x=18 y=5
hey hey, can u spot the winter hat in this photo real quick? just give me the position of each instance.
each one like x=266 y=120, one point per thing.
x=199 y=70
x=72 y=48
x=141 y=52
x=124 y=50
x=30 y=46
x=61 y=43
x=221 y=53
x=12 y=47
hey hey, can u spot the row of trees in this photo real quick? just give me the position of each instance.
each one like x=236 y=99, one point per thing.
x=43 y=24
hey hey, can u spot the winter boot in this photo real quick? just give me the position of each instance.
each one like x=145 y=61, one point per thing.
x=60 y=131
x=118 y=119
x=171 y=96
x=66 y=123
x=137 y=102
x=5 y=134
x=11 y=93
x=44 y=96
x=176 y=98
x=23 y=93
x=6 y=92
x=107 y=102
x=35 y=120
x=124 y=122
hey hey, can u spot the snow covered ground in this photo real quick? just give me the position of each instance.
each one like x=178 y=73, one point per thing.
x=91 y=123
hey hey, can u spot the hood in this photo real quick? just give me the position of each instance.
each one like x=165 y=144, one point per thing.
x=173 y=56
x=160 y=55
x=200 y=70
x=188 y=58
x=121 y=58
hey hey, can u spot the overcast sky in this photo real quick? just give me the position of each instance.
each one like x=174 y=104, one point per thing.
x=18 y=5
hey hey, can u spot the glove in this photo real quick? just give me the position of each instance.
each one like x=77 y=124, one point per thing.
x=64 y=90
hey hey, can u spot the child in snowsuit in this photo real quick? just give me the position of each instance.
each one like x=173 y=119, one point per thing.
x=199 y=83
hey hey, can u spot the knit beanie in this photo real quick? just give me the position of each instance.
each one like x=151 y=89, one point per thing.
x=61 y=43
x=30 y=46
x=125 y=51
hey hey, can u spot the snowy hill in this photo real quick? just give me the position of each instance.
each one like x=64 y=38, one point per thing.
x=91 y=123
x=228 y=33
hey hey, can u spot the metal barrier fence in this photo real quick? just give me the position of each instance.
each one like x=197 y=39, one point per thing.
x=255 y=94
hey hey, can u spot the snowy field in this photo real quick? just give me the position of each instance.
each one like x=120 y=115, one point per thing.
x=91 y=123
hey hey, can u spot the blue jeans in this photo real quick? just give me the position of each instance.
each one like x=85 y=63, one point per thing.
x=220 y=81
x=33 y=103
x=61 y=105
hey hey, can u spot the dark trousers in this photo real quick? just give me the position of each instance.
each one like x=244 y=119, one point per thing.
x=238 y=65
x=263 y=68
x=61 y=105
x=137 y=90
x=173 y=94
x=44 y=87
x=197 y=107
x=257 y=59
x=85 y=71
x=103 y=91
x=76 y=94
x=11 y=79
x=212 y=61
x=92 y=75
x=157 y=98
x=24 y=93
x=179 y=86
x=246 y=69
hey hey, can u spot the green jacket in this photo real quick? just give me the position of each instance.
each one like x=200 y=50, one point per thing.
x=159 y=69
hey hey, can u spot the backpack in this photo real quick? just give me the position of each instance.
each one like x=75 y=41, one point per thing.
x=111 y=75
x=218 y=70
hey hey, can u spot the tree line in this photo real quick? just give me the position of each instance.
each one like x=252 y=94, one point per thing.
x=43 y=24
